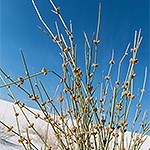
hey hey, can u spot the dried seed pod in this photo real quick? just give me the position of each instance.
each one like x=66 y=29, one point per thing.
x=36 y=84
x=138 y=105
x=95 y=109
x=76 y=70
x=21 y=79
x=121 y=123
x=67 y=49
x=117 y=82
x=18 y=85
x=74 y=129
x=21 y=139
x=28 y=141
x=50 y=100
x=133 y=61
x=127 y=83
x=69 y=111
x=57 y=134
x=34 y=98
x=65 y=90
x=91 y=75
x=22 y=105
x=53 y=122
x=90 y=88
x=37 y=115
x=73 y=96
x=102 y=110
x=16 y=114
x=43 y=103
x=96 y=41
x=94 y=65
x=72 y=37
x=115 y=134
x=124 y=87
x=88 y=99
x=8 y=86
x=10 y=128
x=133 y=75
x=65 y=64
x=55 y=38
x=103 y=120
x=7 y=77
x=60 y=41
x=132 y=96
x=142 y=90
x=44 y=71
x=68 y=32
x=125 y=123
x=119 y=106
x=112 y=62
x=101 y=100
x=31 y=125
x=133 y=49
x=43 y=109
x=95 y=126
x=30 y=95
x=27 y=74
x=124 y=93
x=128 y=94
x=107 y=77
x=60 y=99
x=70 y=89
x=63 y=80
x=16 y=102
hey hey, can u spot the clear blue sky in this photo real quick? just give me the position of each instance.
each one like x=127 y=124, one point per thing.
x=119 y=20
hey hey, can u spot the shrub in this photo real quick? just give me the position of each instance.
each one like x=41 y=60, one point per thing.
x=82 y=121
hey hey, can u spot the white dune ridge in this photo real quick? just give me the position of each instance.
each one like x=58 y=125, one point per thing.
x=9 y=141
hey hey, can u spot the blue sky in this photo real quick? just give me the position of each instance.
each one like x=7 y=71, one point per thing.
x=119 y=20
